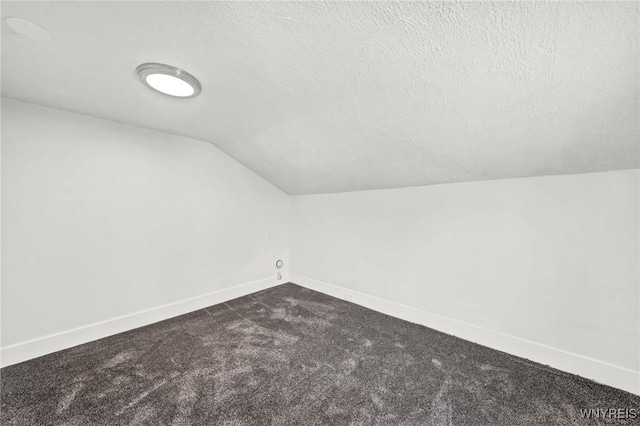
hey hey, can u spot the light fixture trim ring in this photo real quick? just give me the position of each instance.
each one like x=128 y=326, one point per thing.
x=150 y=68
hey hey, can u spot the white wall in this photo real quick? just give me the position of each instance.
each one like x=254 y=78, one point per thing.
x=102 y=220
x=106 y=226
x=551 y=260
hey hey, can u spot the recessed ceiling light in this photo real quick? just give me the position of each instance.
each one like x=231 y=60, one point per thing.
x=168 y=80
x=28 y=29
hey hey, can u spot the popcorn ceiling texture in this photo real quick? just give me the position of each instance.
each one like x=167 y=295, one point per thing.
x=291 y=356
x=328 y=97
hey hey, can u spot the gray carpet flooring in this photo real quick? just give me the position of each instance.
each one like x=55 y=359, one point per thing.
x=292 y=356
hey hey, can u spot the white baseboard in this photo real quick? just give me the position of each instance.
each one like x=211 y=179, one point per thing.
x=598 y=371
x=44 y=345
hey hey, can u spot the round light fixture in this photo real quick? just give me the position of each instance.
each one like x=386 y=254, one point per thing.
x=168 y=80
x=28 y=29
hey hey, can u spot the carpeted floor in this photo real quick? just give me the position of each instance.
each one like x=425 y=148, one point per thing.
x=289 y=355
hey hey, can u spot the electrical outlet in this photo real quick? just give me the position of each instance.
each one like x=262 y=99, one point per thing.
x=279 y=275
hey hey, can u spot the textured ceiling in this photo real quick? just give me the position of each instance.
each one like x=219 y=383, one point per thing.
x=328 y=97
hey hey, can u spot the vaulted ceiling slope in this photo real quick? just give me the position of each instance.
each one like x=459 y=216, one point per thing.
x=330 y=97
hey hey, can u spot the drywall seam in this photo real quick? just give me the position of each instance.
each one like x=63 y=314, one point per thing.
x=602 y=372
x=34 y=348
